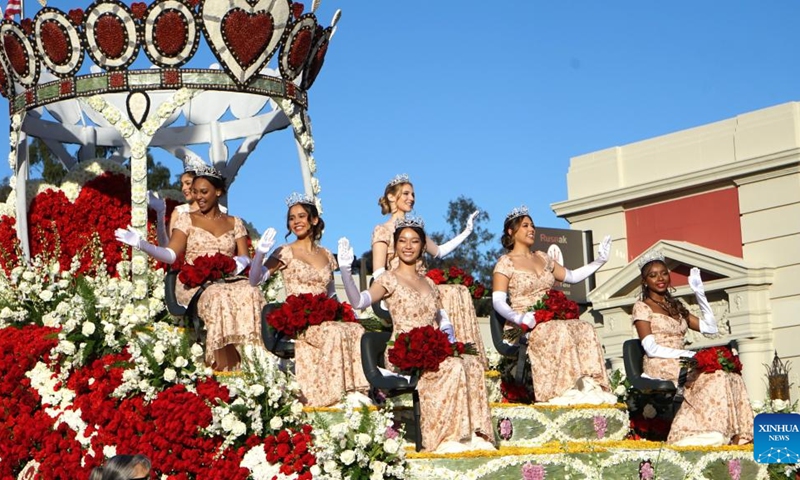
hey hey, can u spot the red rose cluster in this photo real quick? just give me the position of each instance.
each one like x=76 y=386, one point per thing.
x=457 y=276
x=423 y=349
x=554 y=306
x=299 y=312
x=291 y=449
x=711 y=359
x=206 y=268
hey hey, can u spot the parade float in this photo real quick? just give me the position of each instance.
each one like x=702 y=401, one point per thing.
x=92 y=363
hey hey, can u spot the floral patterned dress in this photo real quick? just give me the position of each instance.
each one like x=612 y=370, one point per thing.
x=230 y=310
x=456 y=299
x=560 y=351
x=327 y=356
x=713 y=402
x=453 y=400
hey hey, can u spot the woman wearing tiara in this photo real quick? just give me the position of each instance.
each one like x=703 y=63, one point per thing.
x=716 y=409
x=327 y=356
x=567 y=361
x=230 y=310
x=455 y=412
x=398 y=200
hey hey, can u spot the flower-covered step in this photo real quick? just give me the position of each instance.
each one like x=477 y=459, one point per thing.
x=615 y=460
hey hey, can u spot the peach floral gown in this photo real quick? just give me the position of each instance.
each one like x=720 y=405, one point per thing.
x=560 y=351
x=327 y=356
x=231 y=310
x=713 y=402
x=453 y=400
x=456 y=299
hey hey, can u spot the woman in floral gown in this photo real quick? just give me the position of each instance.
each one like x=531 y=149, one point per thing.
x=327 y=356
x=716 y=409
x=567 y=363
x=231 y=310
x=455 y=412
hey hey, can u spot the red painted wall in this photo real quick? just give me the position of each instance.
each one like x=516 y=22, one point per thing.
x=710 y=220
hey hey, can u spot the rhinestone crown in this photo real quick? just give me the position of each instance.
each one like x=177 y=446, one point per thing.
x=515 y=212
x=296 y=198
x=409 y=221
x=651 y=256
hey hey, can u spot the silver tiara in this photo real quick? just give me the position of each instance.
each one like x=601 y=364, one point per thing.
x=398 y=179
x=296 y=198
x=409 y=221
x=207 y=171
x=651 y=256
x=192 y=162
x=515 y=212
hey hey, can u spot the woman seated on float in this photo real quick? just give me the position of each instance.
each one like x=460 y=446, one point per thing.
x=327 y=356
x=231 y=310
x=567 y=363
x=455 y=412
x=716 y=409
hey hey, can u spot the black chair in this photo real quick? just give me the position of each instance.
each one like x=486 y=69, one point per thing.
x=373 y=346
x=189 y=311
x=275 y=341
x=378 y=309
x=519 y=351
x=633 y=357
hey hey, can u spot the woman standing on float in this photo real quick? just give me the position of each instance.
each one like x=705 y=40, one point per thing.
x=567 y=361
x=327 y=356
x=716 y=409
x=231 y=311
x=455 y=412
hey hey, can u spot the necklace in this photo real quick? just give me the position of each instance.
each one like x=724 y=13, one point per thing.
x=218 y=215
x=663 y=305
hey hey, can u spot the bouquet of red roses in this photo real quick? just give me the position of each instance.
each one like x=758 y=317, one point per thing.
x=422 y=349
x=457 y=276
x=299 y=312
x=554 y=305
x=711 y=359
x=206 y=268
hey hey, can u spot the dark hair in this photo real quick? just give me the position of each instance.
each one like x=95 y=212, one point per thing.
x=674 y=308
x=311 y=210
x=120 y=467
x=384 y=203
x=191 y=173
x=218 y=183
x=96 y=473
x=512 y=224
x=420 y=231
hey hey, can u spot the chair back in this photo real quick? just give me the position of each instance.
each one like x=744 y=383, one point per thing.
x=275 y=341
x=373 y=346
x=170 y=284
x=633 y=358
x=378 y=308
x=497 y=325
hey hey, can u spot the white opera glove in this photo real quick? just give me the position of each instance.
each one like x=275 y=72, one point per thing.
x=258 y=272
x=160 y=206
x=582 y=273
x=446 y=326
x=242 y=262
x=501 y=306
x=451 y=245
x=659 y=351
x=345 y=255
x=131 y=237
x=377 y=273
x=708 y=324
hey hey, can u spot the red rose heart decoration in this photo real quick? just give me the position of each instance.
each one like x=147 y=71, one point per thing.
x=246 y=34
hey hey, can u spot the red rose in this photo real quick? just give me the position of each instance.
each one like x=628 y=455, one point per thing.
x=436 y=275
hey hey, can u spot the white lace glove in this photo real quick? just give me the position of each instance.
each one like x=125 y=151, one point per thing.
x=582 y=273
x=451 y=245
x=345 y=256
x=708 y=324
x=446 y=326
x=258 y=272
x=659 y=351
x=501 y=306
x=160 y=207
x=131 y=237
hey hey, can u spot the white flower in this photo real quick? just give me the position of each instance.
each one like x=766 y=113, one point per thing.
x=182 y=96
x=391 y=446
x=181 y=362
x=620 y=390
x=138 y=150
x=649 y=411
x=88 y=328
x=378 y=469
x=315 y=471
x=66 y=347
x=126 y=128
x=150 y=127
x=756 y=404
x=111 y=114
x=197 y=350
x=348 y=457
x=239 y=428
x=109 y=451
x=158 y=353
x=329 y=466
x=297 y=408
x=228 y=421
x=312 y=164
x=46 y=295
x=363 y=439
x=275 y=423
x=170 y=375
x=28 y=275
x=256 y=390
x=139 y=265
x=779 y=404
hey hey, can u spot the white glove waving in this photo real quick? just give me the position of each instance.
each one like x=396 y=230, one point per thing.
x=695 y=282
x=345 y=254
x=128 y=237
x=604 y=249
x=528 y=320
x=471 y=220
x=267 y=241
x=155 y=202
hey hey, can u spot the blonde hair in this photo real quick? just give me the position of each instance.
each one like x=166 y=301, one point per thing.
x=383 y=202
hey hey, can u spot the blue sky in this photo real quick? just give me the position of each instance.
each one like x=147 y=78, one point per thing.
x=491 y=99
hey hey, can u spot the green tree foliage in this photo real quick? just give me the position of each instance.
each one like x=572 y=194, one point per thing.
x=44 y=164
x=5 y=189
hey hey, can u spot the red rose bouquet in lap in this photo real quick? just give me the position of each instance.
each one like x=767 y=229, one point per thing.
x=299 y=312
x=206 y=268
x=712 y=359
x=423 y=349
